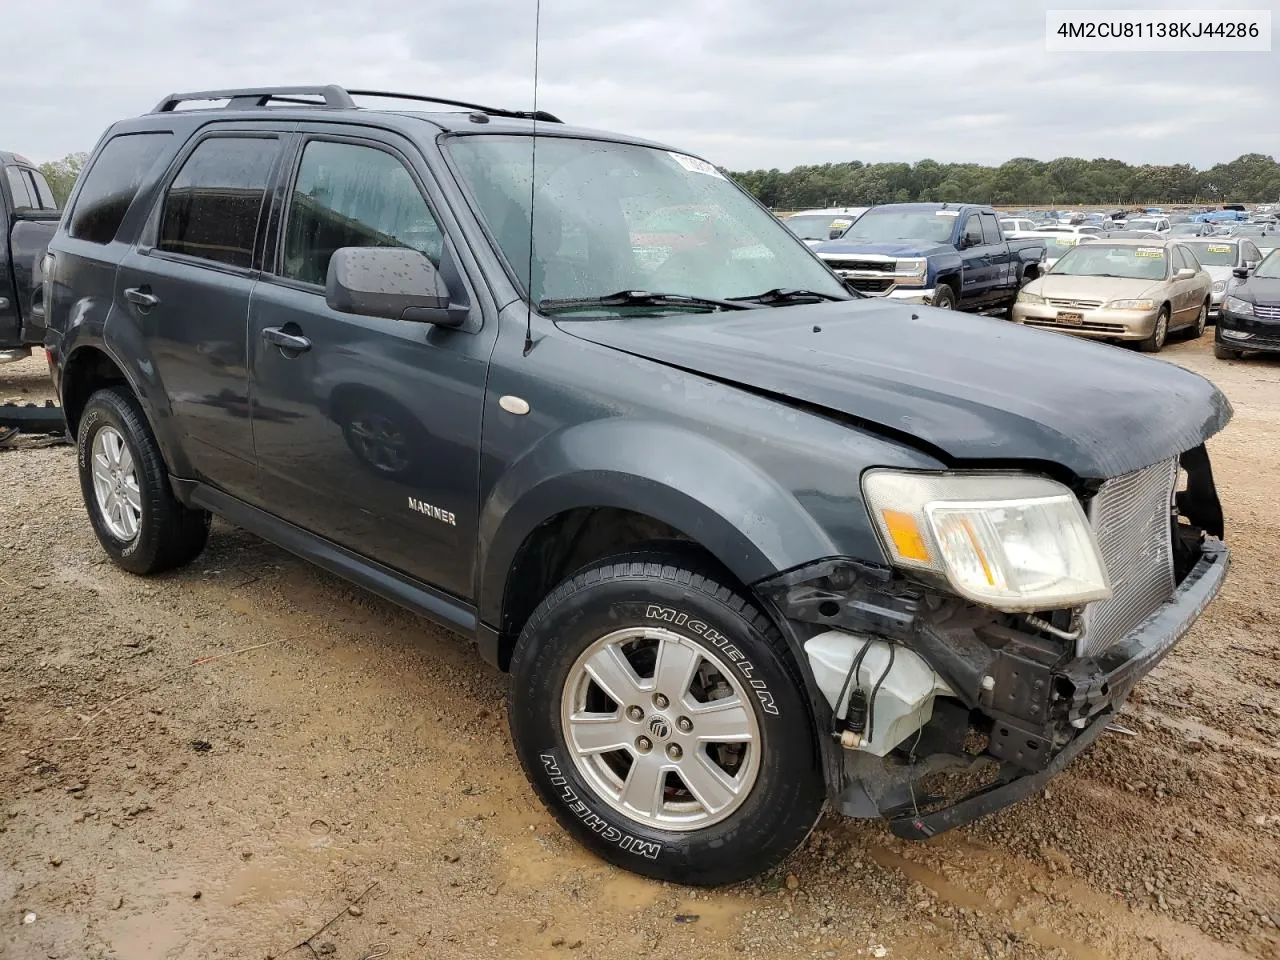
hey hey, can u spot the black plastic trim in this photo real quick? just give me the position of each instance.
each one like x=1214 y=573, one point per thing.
x=421 y=599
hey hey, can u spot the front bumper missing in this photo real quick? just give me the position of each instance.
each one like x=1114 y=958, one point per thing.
x=1100 y=684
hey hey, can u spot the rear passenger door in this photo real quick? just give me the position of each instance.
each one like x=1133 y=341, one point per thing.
x=1001 y=258
x=1186 y=291
x=368 y=434
x=975 y=257
x=186 y=288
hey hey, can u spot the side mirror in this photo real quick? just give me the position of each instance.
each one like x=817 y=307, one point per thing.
x=835 y=234
x=965 y=243
x=1184 y=273
x=395 y=283
x=1242 y=273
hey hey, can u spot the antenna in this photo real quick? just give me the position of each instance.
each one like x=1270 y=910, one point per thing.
x=533 y=176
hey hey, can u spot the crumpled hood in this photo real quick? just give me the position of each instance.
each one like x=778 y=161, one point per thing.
x=900 y=248
x=973 y=388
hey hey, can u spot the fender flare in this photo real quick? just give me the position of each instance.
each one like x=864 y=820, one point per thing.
x=707 y=491
x=149 y=391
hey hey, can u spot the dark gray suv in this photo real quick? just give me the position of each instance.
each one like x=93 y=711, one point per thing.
x=745 y=540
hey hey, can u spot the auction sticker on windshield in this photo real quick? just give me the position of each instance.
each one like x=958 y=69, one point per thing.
x=946 y=213
x=1219 y=248
x=694 y=165
x=1149 y=252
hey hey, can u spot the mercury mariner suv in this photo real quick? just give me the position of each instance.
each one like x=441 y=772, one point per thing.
x=747 y=541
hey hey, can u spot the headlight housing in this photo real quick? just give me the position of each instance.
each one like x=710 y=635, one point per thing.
x=1219 y=286
x=1241 y=307
x=1010 y=541
x=1029 y=298
x=1131 y=305
x=910 y=273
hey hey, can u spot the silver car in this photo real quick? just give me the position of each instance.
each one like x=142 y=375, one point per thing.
x=1220 y=256
x=1136 y=290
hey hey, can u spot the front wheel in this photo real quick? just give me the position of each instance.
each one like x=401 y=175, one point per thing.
x=1155 y=342
x=660 y=718
x=944 y=298
x=1223 y=352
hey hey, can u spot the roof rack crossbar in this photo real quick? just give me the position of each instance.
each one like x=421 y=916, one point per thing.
x=334 y=97
x=540 y=115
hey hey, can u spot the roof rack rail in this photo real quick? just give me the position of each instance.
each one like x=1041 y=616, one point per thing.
x=334 y=97
x=239 y=99
x=541 y=115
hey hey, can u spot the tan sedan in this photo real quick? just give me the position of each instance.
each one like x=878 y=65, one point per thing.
x=1137 y=290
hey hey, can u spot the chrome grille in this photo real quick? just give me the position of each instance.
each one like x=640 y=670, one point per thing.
x=1267 y=311
x=1131 y=519
x=1074 y=304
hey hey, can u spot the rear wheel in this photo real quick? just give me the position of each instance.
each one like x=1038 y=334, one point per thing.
x=125 y=485
x=1155 y=343
x=660 y=718
x=1196 y=330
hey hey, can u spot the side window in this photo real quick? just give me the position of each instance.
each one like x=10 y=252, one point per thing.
x=112 y=182
x=211 y=209
x=1250 y=252
x=991 y=229
x=19 y=188
x=1183 y=260
x=350 y=195
x=973 y=230
x=40 y=191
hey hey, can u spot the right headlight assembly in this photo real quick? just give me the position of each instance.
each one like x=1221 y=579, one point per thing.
x=1014 y=542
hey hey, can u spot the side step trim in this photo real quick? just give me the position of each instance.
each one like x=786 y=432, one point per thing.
x=389 y=584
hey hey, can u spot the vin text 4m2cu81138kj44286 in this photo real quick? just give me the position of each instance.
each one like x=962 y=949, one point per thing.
x=746 y=540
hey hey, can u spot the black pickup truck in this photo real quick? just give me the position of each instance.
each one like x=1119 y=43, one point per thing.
x=746 y=541
x=30 y=218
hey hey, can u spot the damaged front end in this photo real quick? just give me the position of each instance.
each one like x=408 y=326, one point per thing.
x=940 y=710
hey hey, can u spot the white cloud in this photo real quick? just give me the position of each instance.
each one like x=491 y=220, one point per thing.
x=749 y=83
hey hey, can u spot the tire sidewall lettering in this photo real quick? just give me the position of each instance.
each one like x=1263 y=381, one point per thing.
x=569 y=797
x=674 y=617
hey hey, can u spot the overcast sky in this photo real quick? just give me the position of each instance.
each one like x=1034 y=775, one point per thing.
x=746 y=83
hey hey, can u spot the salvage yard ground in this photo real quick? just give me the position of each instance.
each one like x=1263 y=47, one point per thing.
x=217 y=762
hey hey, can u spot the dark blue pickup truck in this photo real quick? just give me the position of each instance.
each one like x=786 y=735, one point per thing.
x=952 y=256
x=28 y=217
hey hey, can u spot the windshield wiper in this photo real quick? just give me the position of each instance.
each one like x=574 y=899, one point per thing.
x=641 y=298
x=779 y=296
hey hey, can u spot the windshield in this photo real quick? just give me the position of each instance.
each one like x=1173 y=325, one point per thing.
x=811 y=226
x=1269 y=268
x=1098 y=259
x=882 y=226
x=1060 y=246
x=1141 y=224
x=611 y=217
x=1187 y=229
x=1214 y=254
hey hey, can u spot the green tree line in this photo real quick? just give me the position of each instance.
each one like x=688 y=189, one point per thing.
x=62 y=174
x=1252 y=178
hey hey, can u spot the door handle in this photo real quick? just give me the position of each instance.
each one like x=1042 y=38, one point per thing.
x=142 y=297
x=285 y=341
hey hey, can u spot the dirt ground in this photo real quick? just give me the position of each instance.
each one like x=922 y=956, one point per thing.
x=216 y=763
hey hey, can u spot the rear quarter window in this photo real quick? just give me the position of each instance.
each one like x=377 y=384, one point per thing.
x=112 y=182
